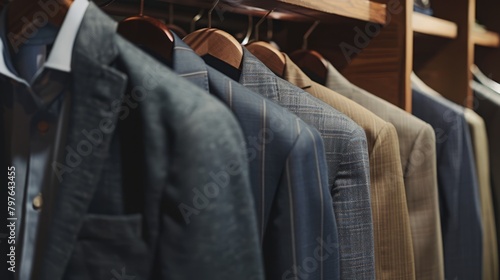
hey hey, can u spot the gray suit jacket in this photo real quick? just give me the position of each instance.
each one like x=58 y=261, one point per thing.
x=417 y=147
x=348 y=166
x=154 y=198
x=288 y=172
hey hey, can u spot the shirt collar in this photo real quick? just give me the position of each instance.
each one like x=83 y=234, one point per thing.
x=60 y=56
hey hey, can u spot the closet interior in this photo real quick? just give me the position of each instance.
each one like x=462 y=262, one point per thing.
x=375 y=44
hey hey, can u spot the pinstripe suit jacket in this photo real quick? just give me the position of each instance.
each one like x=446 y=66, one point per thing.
x=417 y=147
x=288 y=174
x=391 y=223
x=458 y=189
x=348 y=166
x=480 y=144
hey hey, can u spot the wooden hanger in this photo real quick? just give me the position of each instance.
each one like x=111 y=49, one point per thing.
x=216 y=43
x=148 y=32
x=311 y=62
x=19 y=9
x=269 y=55
x=266 y=52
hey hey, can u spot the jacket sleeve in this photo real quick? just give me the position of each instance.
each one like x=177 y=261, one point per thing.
x=208 y=227
x=393 y=241
x=352 y=180
x=423 y=205
x=301 y=238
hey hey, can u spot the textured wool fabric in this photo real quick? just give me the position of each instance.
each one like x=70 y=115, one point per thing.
x=288 y=174
x=417 y=147
x=140 y=202
x=391 y=224
x=348 y=164
x=481 y=148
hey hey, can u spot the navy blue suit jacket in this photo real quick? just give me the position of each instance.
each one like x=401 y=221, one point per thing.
x=458 y=187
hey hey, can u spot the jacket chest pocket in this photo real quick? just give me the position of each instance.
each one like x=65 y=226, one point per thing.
x=110 y=247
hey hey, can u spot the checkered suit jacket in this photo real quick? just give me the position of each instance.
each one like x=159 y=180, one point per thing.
x=348 y=164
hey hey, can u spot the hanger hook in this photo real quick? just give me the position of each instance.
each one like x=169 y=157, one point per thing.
x=270 y=29
x=141 y=9
x=195 y=20
x=257 y=26
x=210 y=13
x=308 y=34
x=249 y=30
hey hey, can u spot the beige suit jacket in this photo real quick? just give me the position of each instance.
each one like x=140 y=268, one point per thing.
x=392 y=234
x=480 y=144
x=417 y=145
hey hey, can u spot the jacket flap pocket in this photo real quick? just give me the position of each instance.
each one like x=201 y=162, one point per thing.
x=111 y=227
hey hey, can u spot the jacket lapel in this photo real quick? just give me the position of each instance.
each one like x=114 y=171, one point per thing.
x=335 y=81
x=189 y=65
x=257 y=77
x=96 y=89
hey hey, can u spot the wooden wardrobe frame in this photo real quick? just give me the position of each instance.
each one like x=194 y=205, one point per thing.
x=377 y=44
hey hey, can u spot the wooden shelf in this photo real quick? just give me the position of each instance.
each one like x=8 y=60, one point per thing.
x=425 y=24
x=300 y=9
x=357 y=9
x=486 y=38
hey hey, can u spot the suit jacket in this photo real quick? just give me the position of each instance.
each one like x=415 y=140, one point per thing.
x=288 y=173
x=458 y=189
x=146 y=191
x=487 y=105
x=391 y=223
x=347 y=158
x=480 y=145
x=417 y=148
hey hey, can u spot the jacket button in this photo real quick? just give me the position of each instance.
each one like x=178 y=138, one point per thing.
x=37 y=202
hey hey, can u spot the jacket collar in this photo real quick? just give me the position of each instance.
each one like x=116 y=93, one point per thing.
x=294 y=75
x=260 y=78
x=60 y=56
x=188 y=64
x=97 y=87
x=338 y=83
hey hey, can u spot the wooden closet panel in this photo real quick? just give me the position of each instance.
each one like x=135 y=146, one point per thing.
x=447 y=70
x=374 y=57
